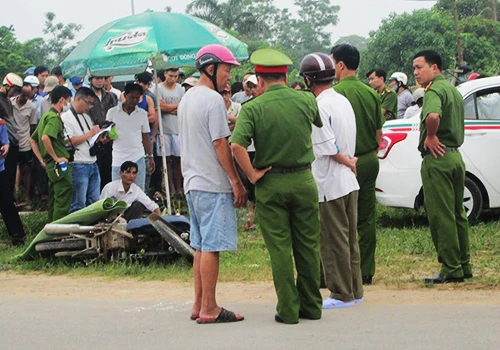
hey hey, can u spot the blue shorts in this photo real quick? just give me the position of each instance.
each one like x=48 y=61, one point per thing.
x=213 y=221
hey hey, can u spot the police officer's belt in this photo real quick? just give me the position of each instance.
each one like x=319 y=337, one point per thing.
x=278 y=170
x=447 y=149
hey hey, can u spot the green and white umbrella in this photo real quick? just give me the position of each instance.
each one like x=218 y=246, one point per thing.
x=151 y=39
x=160 y=39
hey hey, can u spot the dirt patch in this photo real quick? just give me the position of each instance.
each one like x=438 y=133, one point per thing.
x=44 y=286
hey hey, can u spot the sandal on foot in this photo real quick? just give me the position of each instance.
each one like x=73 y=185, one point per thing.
x=194 y=317
x=225 y=316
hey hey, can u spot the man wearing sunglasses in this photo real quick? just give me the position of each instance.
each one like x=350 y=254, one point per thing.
x=79 y=130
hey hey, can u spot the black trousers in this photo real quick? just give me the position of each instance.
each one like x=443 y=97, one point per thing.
x=104 y=161
x=42 y=182
x=9 y=211
x=11 y=168
x=157 y=175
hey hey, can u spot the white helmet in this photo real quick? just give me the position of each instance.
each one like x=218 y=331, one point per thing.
x=32 y=80
x=12 y=79
x=399 y=76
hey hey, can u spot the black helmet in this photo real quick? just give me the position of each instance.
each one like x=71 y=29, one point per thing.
x=318 y=67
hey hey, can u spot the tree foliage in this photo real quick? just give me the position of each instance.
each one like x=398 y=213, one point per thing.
x=12 y=53
x=399 y=37
x=481 y=42
x=468 y=8
x=360 y=42
x=309 y=32
x=60 y=35
x=231 y=15
x=260 y=23
x=50 y=51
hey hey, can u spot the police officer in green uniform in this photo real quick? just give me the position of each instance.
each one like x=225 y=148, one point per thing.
x=49 y=146
x=388 y=98
x=280 y=123
x=443 y=170
x=366 y=105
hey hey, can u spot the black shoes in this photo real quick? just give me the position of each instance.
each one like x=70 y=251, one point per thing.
x=367 y=280
x=440 y=279
x=278 y=318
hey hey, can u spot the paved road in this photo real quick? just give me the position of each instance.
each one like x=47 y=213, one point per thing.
x=30 y=322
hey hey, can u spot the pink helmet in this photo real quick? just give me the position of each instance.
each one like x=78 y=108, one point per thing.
x=214 y=53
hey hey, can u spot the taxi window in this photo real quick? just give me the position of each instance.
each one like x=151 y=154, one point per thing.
x=488 y=104
x=470 y=107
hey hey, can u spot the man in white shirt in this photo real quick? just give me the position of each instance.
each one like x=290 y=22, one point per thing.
x=124 y=189
x=334 y=171
x=132 y=126
x=79 y=129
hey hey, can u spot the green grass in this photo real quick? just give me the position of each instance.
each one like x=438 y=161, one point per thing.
x=405 y=254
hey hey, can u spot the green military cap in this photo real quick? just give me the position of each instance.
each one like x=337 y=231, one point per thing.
x=270 y=61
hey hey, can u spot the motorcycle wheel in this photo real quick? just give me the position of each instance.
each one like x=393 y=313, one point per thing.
x=169 y=234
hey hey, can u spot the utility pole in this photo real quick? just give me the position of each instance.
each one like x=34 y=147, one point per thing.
x=132 y=4
x=460 y=52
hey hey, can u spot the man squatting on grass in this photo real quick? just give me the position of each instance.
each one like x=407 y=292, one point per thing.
x=211 y=182
x=124 y=189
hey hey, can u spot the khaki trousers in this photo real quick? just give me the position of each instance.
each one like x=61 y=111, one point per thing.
x=339 y=247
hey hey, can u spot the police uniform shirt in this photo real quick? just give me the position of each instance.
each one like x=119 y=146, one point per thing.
x=444 y=99
x=279 y=121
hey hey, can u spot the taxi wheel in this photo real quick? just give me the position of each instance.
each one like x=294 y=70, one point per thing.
x=473 y=200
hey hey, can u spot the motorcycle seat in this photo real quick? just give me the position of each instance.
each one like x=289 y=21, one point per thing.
x=173 y=219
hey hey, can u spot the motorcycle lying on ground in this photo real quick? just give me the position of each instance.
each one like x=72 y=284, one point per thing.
x=104 y=234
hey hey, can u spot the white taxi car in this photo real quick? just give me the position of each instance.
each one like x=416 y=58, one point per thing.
x=399 y=183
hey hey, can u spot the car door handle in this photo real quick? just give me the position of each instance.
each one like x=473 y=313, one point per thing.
x=475 y=133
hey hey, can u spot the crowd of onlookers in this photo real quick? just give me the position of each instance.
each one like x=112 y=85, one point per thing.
x=67 y=139
x=63 y=141
x=99 y=137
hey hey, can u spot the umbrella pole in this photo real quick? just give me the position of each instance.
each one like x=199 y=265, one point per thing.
x=162 y=143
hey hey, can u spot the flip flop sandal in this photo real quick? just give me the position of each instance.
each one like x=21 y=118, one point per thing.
x=194 y=317
x=225 y=316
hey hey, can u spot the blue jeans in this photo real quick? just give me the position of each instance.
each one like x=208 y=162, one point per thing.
x=140 y=180
x=86 y=185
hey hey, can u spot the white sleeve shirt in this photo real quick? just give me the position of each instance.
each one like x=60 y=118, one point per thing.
x=116 y=191
x=129 y=127
x=338 y=135
x=72 y=129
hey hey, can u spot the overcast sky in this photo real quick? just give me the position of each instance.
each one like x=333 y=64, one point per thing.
x=27 y=16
